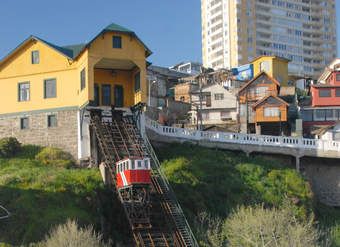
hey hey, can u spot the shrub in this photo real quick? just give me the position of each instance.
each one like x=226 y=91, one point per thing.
x=209 y=230
x=67 y=164
x=70 y=234
x=29 y=151
x=9 y=146
x=258 y=226
x=51 y=153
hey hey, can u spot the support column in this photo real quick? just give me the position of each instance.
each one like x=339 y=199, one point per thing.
x=297 y=164
x=258 y=129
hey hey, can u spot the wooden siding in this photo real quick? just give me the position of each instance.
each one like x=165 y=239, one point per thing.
x=260 y=113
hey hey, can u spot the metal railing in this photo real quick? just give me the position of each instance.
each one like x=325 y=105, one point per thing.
x=238 y=138
x=7 y=212
x=169 y=192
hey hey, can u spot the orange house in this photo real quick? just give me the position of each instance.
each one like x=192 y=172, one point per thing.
x=261 y=111
x=260 y=86
x=270 y=109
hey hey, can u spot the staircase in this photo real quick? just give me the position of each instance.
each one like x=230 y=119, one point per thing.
x=119 y=137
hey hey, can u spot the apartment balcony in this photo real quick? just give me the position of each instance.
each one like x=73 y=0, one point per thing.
x=217 y=22
x=215 y=42
x=265 y=30
x=217 y=14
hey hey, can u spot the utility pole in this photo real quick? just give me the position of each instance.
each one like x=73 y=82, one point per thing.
x=247 y=111
x=200 y=88
x=238 y=112
x=196 y=117
x=280 y=123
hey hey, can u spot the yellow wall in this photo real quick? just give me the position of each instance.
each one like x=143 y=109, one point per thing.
x=131 y=50
x=123 y=78
x=279 y=68
x=52 y=64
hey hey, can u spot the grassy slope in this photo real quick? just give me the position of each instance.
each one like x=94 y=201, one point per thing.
x=217 y=181
x=39 y=196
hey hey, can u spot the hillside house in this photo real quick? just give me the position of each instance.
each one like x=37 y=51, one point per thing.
x=47 y=89
x=218 y=105
x=260 y=109
x=324 y=107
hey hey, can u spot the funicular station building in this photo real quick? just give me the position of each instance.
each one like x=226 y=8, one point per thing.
x=46 y=90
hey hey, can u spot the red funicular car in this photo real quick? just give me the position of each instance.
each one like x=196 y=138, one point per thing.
x=133 y=170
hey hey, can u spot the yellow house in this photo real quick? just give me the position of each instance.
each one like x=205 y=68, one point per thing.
x=275 y=67
x=45 y=89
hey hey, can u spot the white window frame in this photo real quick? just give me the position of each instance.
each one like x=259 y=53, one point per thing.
x=272 y=111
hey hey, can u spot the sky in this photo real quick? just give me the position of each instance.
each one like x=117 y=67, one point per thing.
x=171 y=29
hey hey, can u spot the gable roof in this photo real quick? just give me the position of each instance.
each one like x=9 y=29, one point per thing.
x=266 y=98
x=73 y=51
x=113 y=27
x=258 y=75
x=197 y=91
x=274 y=57
x=328 y=70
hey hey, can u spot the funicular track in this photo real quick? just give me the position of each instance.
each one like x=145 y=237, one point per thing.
x=118 y=137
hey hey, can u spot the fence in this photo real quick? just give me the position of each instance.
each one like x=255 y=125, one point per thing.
x=238 y=138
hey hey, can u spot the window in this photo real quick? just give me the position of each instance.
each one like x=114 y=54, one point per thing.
x=331 y=114
x=24 y=91
x=24 y=123
x=96 y=94
x=261 y=91
x=265 y=66
x=51 y=121
x=324 y=93
x=219 y=96
x=117 y=42
x=50 y=90
x=319 y=115
x=119 y=96
x=132 y=164
x=139 y=164
x=35 y=57
x=82 y=79
x=225 y=115
x=205 y=116
x=337 y=77
x=106 y=95
x=271 y=112
x=307 y=115
x=137 y=82
x=208 y=101
x=337 y=92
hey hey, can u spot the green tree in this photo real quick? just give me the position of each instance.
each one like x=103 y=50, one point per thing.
x=259 y=227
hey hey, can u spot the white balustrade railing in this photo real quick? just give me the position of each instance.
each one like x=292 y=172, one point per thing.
x=238 y=138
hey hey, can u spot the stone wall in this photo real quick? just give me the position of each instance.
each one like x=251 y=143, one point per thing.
x=64 y=136
x=324 y=178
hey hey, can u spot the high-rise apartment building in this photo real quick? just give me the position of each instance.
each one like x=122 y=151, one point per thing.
x=234 y=32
